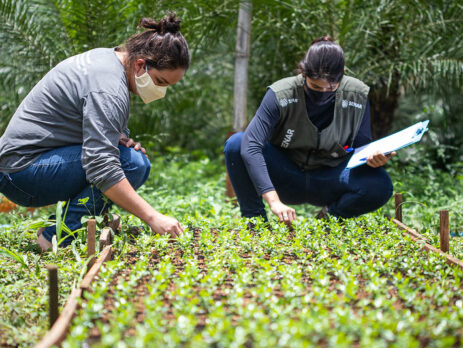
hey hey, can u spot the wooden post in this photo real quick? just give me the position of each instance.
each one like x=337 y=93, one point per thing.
x=52 y=293
x=398 y=206
x=91 y=241
x=444 y=230
x=243 y=37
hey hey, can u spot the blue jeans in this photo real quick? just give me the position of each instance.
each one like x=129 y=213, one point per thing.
x=57 y=175
x=346 y=192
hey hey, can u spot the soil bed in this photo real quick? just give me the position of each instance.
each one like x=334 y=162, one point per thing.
x=282 y=288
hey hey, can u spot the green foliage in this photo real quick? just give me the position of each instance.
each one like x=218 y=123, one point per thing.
x=24 y=279
x=352 y=273
x=197 y=113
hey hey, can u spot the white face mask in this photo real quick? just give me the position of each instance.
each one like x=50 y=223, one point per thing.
x=147 y=89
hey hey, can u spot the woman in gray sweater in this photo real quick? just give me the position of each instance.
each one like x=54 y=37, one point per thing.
x=69 y=141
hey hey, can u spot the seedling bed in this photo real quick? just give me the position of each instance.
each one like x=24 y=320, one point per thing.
x=328 y=284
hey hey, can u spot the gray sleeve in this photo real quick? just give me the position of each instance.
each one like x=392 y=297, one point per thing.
x=254 y=139
x=103 y=119
x=126 y=131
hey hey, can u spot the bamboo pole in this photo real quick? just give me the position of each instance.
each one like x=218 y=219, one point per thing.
x=398 y=206
x=91 y=241
x=52 y=293
x=444 y=230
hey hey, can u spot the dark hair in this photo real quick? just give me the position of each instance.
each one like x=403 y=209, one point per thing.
x=324 y=60
x=162 y=45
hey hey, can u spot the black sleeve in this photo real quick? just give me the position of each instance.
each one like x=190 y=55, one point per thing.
x=364 y=134
x=254 y=139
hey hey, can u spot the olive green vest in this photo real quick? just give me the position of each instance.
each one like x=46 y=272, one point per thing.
x=296 y=135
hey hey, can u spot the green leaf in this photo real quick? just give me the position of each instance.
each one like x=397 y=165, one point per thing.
x=14 y=255
x=83 y=201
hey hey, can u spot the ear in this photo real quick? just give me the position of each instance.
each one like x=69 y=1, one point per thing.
x=139 y=64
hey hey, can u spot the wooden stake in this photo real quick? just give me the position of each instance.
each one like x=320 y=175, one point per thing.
x=52 y=293
x=444 y=230
x=398 y=206
x=91 y=241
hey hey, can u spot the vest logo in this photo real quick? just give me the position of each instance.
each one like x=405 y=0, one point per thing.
x=289 y=134
x=345 y=103
x=284 y=102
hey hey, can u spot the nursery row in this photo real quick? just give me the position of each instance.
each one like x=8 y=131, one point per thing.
x=357 y=282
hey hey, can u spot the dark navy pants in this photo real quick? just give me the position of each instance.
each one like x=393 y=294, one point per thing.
x=346 y=192
x=57 y=175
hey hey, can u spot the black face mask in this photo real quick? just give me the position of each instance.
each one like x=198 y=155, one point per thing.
x=319 y=98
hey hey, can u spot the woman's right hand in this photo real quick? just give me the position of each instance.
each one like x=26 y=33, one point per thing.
x=163 y=224
x=283 y=212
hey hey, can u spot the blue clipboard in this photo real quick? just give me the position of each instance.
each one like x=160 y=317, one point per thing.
x=388 y=144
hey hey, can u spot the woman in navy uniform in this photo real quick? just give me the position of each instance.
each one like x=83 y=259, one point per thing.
x=296 y=147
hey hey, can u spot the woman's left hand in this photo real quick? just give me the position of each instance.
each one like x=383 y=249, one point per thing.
x=129 y=142
x=378 y=159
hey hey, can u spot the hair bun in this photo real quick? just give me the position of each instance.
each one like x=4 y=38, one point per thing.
x=168 y=24
x=171 y=23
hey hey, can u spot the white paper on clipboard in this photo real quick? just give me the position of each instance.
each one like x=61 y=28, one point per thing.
x=388 y=144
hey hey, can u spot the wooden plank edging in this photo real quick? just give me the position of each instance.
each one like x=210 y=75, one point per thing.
x=409 y=230
x=417 y=237
x=105 y=255
x=105 y=238
x=58 y=331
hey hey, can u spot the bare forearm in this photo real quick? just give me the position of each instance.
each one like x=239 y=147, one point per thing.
x=127 y=198
x=271 y=197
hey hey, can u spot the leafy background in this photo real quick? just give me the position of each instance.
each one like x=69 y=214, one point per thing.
x=407 y=51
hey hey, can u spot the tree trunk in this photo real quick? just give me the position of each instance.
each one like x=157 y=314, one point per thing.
x=383 y=104
x=243 y=36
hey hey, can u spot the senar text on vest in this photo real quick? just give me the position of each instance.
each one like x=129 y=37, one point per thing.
x=289 y=134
